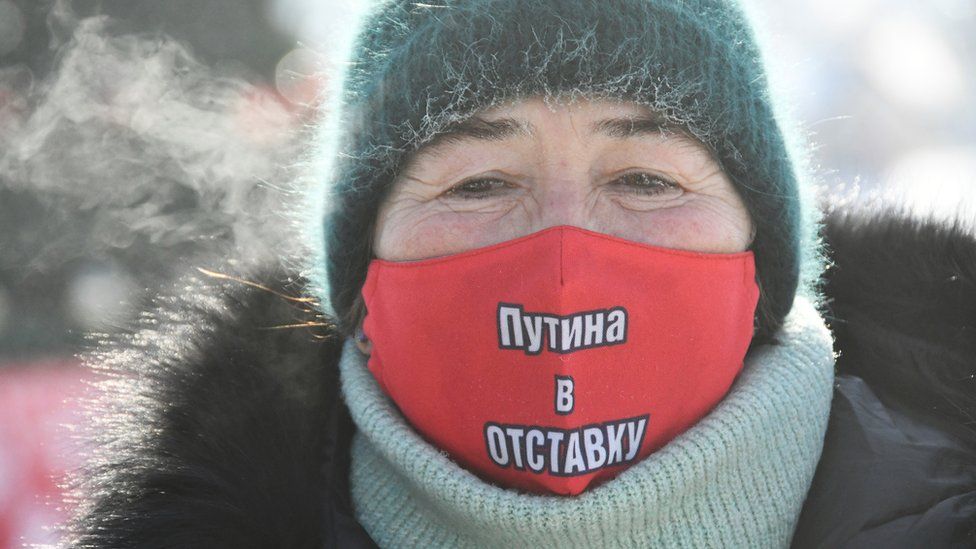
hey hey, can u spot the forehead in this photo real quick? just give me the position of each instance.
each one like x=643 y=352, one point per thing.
x=537 y=119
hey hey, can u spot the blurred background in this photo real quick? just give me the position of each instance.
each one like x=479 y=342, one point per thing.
x=139 y=138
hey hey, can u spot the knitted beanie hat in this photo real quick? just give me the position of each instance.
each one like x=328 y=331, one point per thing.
x=417 y=67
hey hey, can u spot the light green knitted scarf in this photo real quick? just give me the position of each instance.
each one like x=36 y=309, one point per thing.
x=738 y=478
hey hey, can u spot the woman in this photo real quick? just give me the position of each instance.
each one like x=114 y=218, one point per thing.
x=573 y=276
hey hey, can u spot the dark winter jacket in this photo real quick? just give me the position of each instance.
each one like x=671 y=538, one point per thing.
x=222 y=424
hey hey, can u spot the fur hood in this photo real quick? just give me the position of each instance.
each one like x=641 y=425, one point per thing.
x=899 y=462
x=219 y=421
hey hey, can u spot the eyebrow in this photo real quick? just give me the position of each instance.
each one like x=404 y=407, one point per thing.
x=631 y=126
x=479 y=129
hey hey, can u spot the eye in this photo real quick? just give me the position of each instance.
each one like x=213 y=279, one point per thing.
x=478 y=188
x=646 y=184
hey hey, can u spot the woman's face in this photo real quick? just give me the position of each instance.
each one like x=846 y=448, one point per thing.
x=604 y=166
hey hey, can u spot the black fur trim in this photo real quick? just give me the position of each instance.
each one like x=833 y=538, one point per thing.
x=219 y=424
x=903 y=310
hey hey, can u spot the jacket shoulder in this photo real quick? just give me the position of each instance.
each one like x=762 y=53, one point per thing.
x=217 y=421
x=899 y=461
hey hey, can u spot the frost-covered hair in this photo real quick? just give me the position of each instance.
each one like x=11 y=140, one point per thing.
x=416 y=68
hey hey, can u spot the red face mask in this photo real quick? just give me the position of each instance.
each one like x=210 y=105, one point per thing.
x=554 y=361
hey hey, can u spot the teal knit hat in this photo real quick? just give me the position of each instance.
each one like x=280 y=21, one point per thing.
x=418 y=67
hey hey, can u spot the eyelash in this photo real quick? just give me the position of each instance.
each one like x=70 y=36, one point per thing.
x=646 y=184
x=464 y=189
x=640 y=183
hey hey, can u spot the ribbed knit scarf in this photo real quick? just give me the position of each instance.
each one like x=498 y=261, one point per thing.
x=737 y=478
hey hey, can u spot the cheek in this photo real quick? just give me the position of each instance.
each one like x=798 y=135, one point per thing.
x=412 y=230
x=700 y=225
x=421 y=235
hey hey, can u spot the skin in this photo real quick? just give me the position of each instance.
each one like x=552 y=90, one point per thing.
x=603 y=165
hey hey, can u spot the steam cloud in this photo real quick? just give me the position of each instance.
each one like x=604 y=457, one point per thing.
x=138 y=152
